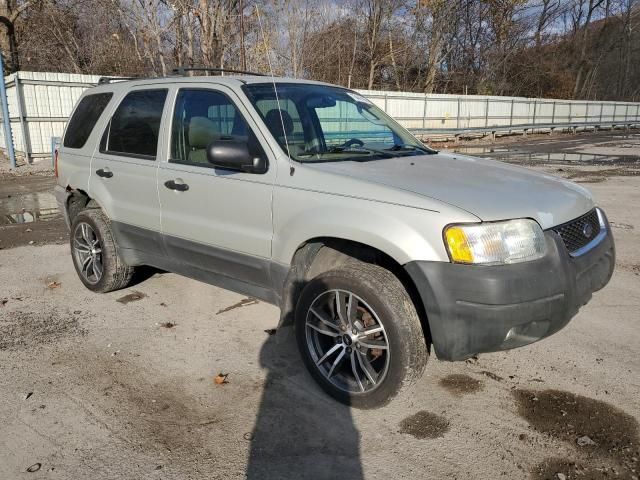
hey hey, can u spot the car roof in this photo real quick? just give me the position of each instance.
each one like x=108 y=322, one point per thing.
x=229 y=80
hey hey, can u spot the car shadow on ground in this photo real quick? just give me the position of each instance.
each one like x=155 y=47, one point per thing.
x=300 y=432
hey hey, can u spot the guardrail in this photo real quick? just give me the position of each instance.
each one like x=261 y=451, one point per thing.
x=524 y=128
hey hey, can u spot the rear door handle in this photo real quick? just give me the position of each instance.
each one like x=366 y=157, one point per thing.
x=177 y=185
x=104 y=172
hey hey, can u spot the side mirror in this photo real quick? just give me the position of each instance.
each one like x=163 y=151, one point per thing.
x=235 y=155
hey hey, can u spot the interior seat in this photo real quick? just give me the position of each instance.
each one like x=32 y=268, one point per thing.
x=275 y=125
x=202 y=132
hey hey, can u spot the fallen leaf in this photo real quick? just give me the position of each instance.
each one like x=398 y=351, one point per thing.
x=221 y=379
x=584 y=440
x=34 y=468
x=271 y=331
x=132 y=297
x=3 y=302
x=242 y=303
x=168 y=325
x=53 y=285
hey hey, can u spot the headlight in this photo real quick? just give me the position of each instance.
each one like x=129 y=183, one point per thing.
x=512 y=241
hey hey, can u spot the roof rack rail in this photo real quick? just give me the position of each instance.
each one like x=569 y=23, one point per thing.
x=103 y=80
x=183 y=70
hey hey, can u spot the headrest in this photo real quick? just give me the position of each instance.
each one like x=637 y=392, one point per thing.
x=274 y=122
x=202 y=132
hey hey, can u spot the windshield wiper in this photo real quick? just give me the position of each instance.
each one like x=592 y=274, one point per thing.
x=358 y=150
x=339 y=149
x=401 y=146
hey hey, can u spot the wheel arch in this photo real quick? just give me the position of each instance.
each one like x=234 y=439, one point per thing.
x=321 y=254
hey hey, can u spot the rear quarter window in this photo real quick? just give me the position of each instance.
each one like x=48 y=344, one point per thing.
x=84 y=119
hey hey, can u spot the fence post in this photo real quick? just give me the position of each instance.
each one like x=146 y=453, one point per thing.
x=601 y=109
x=54 y=146
x=535 y=104
x=26 y=141
x=486 y=114
x=511 y=115
x=424 y=113
x=8 y=136
x=458 y=116
x=553 y=113
x=570 y=109
x=386 y=102
x=586 y=114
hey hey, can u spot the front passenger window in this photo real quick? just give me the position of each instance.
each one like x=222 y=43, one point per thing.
x=202 y=117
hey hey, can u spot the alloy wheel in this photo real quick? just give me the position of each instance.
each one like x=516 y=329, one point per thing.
x=88 y=253
x=347 y=341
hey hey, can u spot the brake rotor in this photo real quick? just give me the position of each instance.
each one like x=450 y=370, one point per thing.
x=368 y=321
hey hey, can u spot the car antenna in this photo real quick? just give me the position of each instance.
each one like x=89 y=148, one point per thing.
x=275 y=89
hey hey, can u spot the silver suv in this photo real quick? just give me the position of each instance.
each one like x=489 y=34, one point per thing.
x=308 y=196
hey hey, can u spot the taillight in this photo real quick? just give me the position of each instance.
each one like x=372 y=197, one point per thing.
x=55 y=162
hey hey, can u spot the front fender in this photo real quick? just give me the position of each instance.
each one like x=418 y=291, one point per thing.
x=404 y=233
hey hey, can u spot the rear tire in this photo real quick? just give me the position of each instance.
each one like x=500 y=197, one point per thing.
x=95 y=255
x=361 y=313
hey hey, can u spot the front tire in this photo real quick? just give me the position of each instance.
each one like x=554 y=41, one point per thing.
x=94 y=253
x=360 y=335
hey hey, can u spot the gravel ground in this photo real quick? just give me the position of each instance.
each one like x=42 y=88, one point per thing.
x=93 y=387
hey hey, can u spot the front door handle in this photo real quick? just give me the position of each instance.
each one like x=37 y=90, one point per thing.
x=104 y=172
x=177 y=185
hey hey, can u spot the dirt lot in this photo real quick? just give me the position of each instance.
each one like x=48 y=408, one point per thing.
x=121 y=385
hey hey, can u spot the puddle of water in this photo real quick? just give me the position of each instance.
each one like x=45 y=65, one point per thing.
x=425 y=425
x=460 y=384
x=599 y=433
x=28 y=208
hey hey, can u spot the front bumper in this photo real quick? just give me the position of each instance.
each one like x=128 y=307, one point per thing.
x=474 y=309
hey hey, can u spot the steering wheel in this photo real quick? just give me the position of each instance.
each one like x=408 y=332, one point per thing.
x=353 y=141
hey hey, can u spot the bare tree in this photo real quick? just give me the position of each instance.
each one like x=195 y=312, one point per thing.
x=10 y=11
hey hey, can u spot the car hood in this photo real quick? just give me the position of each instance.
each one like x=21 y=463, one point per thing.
x=488 y=189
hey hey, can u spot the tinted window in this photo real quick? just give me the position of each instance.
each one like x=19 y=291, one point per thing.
x=204 y=116
x=135 y=125
x=84 y=119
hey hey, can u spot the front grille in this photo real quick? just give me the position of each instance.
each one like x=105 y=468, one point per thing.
x=579 y=232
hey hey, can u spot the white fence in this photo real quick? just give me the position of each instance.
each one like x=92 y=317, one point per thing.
x=435 y=113
x=40 y=104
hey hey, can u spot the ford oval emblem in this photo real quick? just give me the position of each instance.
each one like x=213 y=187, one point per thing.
x=587 y=230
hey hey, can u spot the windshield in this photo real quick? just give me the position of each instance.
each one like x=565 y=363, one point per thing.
x=315 y=123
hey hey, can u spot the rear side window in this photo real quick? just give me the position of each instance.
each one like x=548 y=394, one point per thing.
x=84 y=119
x=135 y=126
